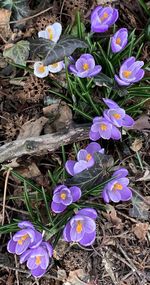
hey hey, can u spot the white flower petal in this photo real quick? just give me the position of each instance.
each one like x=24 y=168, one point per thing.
x=42 y=34
x=56 y=67
x=57 y=31
x=50 y=32
x=40 y=70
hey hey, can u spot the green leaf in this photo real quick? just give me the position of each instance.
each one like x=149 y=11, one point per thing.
x=139 y=208
x=103 y=80
x=94 y=175
x=55 y=52
x=18 y=53
x=20 y=8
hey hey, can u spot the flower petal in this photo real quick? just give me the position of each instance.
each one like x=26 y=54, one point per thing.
x=69 y=166
x=89 y=212
x=126 y=194
x=115 y=196
x=94 y=136
x=76 y=193
x=11 y=246
x=57 y=208
x=66 y=232
x=38 y=272
x=88 y=239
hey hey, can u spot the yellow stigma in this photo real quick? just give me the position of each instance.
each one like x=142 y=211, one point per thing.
x=50 y=32
x=38 y=260
x=88 y=157
x=41 y=68
x=103 y=127
x=117 y=186
x=117 y=116
x=118 y=41
x=22 y=239
x=63 y=196
x=55 y=65
x=104 y=16
x=79 y=227
x=85 y=66
x=127 y=73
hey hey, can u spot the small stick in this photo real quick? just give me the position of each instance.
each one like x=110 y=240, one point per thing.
x=4 y=196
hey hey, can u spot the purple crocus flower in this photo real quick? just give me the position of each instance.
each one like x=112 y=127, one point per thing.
x=102 y=128
x=26 y=238
x=85 y=159
x=130 y=72
x=119 y=40
x=85 y=66
x=82 y=227
x=116 y=115
x=38 y=259
x=117 y=190
x=63 y=197
x=102 y=18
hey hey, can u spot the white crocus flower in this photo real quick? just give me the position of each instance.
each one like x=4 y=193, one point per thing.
x=52 y=32
x=56 y=67
x=40 y=70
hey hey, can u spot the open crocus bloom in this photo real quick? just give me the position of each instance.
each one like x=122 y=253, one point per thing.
x=56 y=67
x=102 y=18
x=119 y=40
x=130 y=72
x=117 y=115
x=40 y=70
x=63 y=197
x=85 y=159
x=38 y=259
x=102 y=128
x=85 y=66
x=52 y=32
x=26 y=238
x=82 y=227
x=117 y=190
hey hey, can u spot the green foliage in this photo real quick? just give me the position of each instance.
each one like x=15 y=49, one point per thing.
x=55 y=52
x=18 y=53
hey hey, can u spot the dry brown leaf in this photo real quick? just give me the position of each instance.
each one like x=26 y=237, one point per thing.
x=32 y=128
x=30 y=171
x=136 y=145
x=5 y=30
x=140 y=230
x=77 y=277
x=142 y=123
x=146 y=176
x=111 y=216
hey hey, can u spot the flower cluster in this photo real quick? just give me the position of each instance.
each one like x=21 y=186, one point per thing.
x=106 y=127
x=53 y=33
x=29 y=245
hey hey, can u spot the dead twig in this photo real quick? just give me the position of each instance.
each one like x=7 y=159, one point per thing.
x=42 y=144
x=4 y=195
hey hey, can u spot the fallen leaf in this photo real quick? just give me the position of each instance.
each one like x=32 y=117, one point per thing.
x=136 y=145
x=139 y=208
x=111 y=215
x=77 y=277
x=140 y=230
x=142 y=123
x=146 y=176
x=20 y=9
x=32 y=128
x=5 y=30
x=30 y=171
x=18 y=53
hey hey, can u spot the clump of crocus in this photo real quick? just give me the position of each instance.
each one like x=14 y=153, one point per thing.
x=25 y=238
x=102 y=18
x=63 y=197
x=82 y=227
x=119 y=40
x=85 y=66
x=29 y=245
x=117 y=190
x=38 y=259
x=52 y=32
x=106 y=127
x=130 y=72
x=85 y=159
